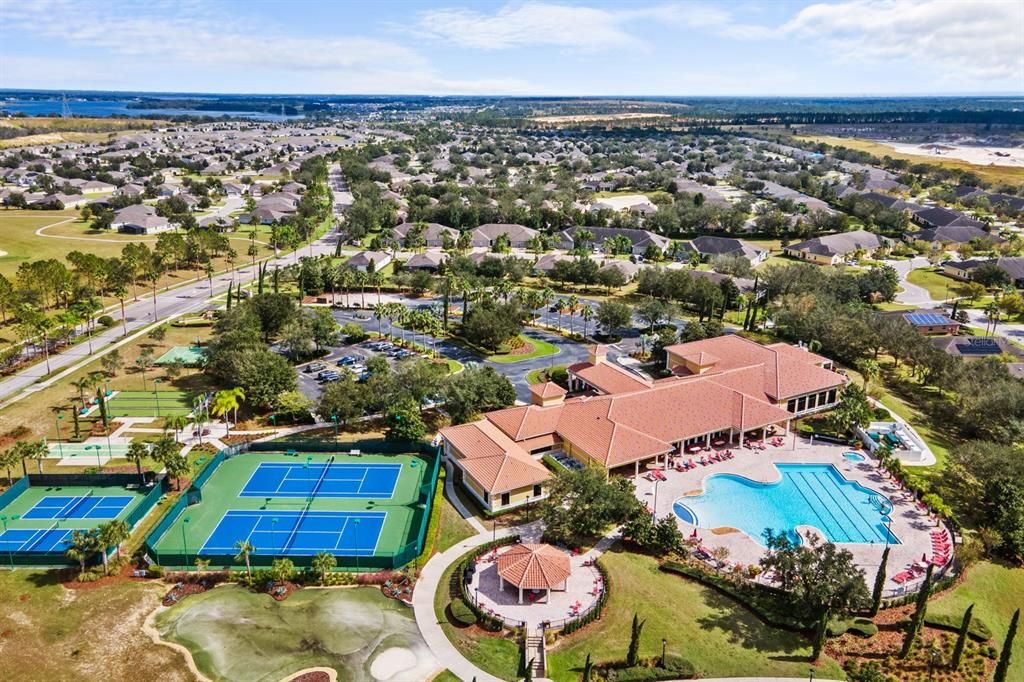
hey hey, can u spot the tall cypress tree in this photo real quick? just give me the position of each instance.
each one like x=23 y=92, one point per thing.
x=1003 y=666
x=876 y=595
x=633 y=655
x=918 y=620
x=961 y=640
x=587 y=668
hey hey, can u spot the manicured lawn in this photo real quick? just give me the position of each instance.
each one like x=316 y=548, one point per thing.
x=52 y=633
x=537 y=376
x=446 y=676
x=939 y=286
x=454 y=529
x=540 y=349
x=497 y=656
x=990 y=587
x=713 y=632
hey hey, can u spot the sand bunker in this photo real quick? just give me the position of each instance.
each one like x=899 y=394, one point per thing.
x=395 y=663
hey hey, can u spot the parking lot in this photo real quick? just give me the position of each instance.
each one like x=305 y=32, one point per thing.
x=346 y=360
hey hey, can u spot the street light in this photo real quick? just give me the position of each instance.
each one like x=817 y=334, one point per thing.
x=273 y=534
x=97 y=449
x=654 y=510
x=156 y=393
x=811 y=673
x=10 y=552
x=184 y=539
x=334 y=418
x=664 y=643
x=60 y=446
x=356 y=521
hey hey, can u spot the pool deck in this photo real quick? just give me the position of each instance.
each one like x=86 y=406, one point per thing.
x=909 y=523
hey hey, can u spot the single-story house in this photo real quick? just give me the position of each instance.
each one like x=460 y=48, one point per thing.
x=953 y=234
x=1013 y=266
x=369 y=261
x=709 y=247
x=432 y=235
x=139 y=219
x=429 y=260
x=927 y=321
x=937 y=216
x=832 y=249
x=518 y=235
x=639 y=239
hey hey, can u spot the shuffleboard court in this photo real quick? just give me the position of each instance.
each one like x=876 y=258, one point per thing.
x=294 y=479
x=298 y=533
x=189 y=356
x=79 y=507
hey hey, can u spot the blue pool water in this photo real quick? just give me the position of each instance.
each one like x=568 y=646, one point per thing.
x=808 y=495
x=853 y=456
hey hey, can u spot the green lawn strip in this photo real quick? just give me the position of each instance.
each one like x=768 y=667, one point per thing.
x=492 y=654
x=989 y=586
x=541 y=348
x=939 y=286
x=537 y=376
x=717 y=635
x=446 y=676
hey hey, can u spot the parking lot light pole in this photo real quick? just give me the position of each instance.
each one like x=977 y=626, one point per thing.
x=10 y=552
x=334 y=418
x=184 y=539
x=156 y=393
x=60 y=446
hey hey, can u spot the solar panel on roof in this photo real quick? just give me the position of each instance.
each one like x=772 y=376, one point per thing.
x=927 y=319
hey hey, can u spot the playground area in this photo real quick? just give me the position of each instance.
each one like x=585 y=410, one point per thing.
x=188 y=356
x=368 y=510
x=39 y=513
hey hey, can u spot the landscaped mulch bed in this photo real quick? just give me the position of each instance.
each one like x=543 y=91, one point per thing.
x=313 y=676
x=69 y=578
x=281 y=591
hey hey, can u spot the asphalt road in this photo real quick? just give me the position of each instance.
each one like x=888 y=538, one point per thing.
x=190 y=298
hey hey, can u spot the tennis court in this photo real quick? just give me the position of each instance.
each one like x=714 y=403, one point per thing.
x=189 y=356
x=149 y=404
x=40 y=518
x=289 y=533
x=79 y=507
x=365 y=509
x=334 y=479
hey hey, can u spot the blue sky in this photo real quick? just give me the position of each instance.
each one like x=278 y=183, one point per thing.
x=544 y=47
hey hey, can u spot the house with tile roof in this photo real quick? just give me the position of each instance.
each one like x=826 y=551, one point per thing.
x=831 y=249
x=727 y=388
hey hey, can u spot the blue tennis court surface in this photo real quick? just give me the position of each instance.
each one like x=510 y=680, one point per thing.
x=293 y=479
x=296 y=533
x=35 y=540
x=81 y=507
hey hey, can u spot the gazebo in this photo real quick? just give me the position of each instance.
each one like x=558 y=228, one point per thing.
x=534 y=567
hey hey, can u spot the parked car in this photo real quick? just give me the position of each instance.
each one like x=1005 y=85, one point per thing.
x=315 y=367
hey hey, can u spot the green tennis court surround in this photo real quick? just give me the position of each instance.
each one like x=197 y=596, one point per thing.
x=40 y=512
x=370 y=511
x=161 y=403
x=189 y=356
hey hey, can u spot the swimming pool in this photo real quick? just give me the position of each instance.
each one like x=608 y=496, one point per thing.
x=808 y=495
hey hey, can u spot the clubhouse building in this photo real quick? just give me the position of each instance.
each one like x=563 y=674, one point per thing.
x=723 y=389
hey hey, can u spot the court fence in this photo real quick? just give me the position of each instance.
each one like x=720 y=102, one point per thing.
x=50 y=559
x=407 y=553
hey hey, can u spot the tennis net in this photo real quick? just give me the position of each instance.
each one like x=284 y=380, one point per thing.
x=302 y=515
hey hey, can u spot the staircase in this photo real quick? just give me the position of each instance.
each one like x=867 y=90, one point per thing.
x=533 y=651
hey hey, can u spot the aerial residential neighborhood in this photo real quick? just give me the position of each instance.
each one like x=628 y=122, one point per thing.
x=633 y=342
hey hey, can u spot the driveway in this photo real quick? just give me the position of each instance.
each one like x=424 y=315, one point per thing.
x=912 y=294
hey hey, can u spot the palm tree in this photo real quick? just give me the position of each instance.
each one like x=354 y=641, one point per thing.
x=323 y=563
x=870 y=370
x=361 y=280
x=226 y=401
x=587 y=313
x=573 y=303
x=111 y=533
x=8 y=458
x=380 y=311
x=137 y=451
x=376 y=280
x=345 y=278
x=81 y=385
x=178 y=422
x=84 y=543
x=562 y=309
x=36 y=450
x=199 y=415
x=245 y=548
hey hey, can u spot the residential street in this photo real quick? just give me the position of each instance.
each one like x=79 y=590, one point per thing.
x=912 y=294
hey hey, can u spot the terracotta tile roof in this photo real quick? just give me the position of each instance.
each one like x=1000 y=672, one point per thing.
x=608 y=378
x=547 y=389
x=493 y=459
x=786 y=371
x=534 y=567
x=525 y=421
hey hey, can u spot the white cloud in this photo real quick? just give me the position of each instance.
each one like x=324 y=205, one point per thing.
x=187 y=42
x=575 y=27
x=967 y=40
